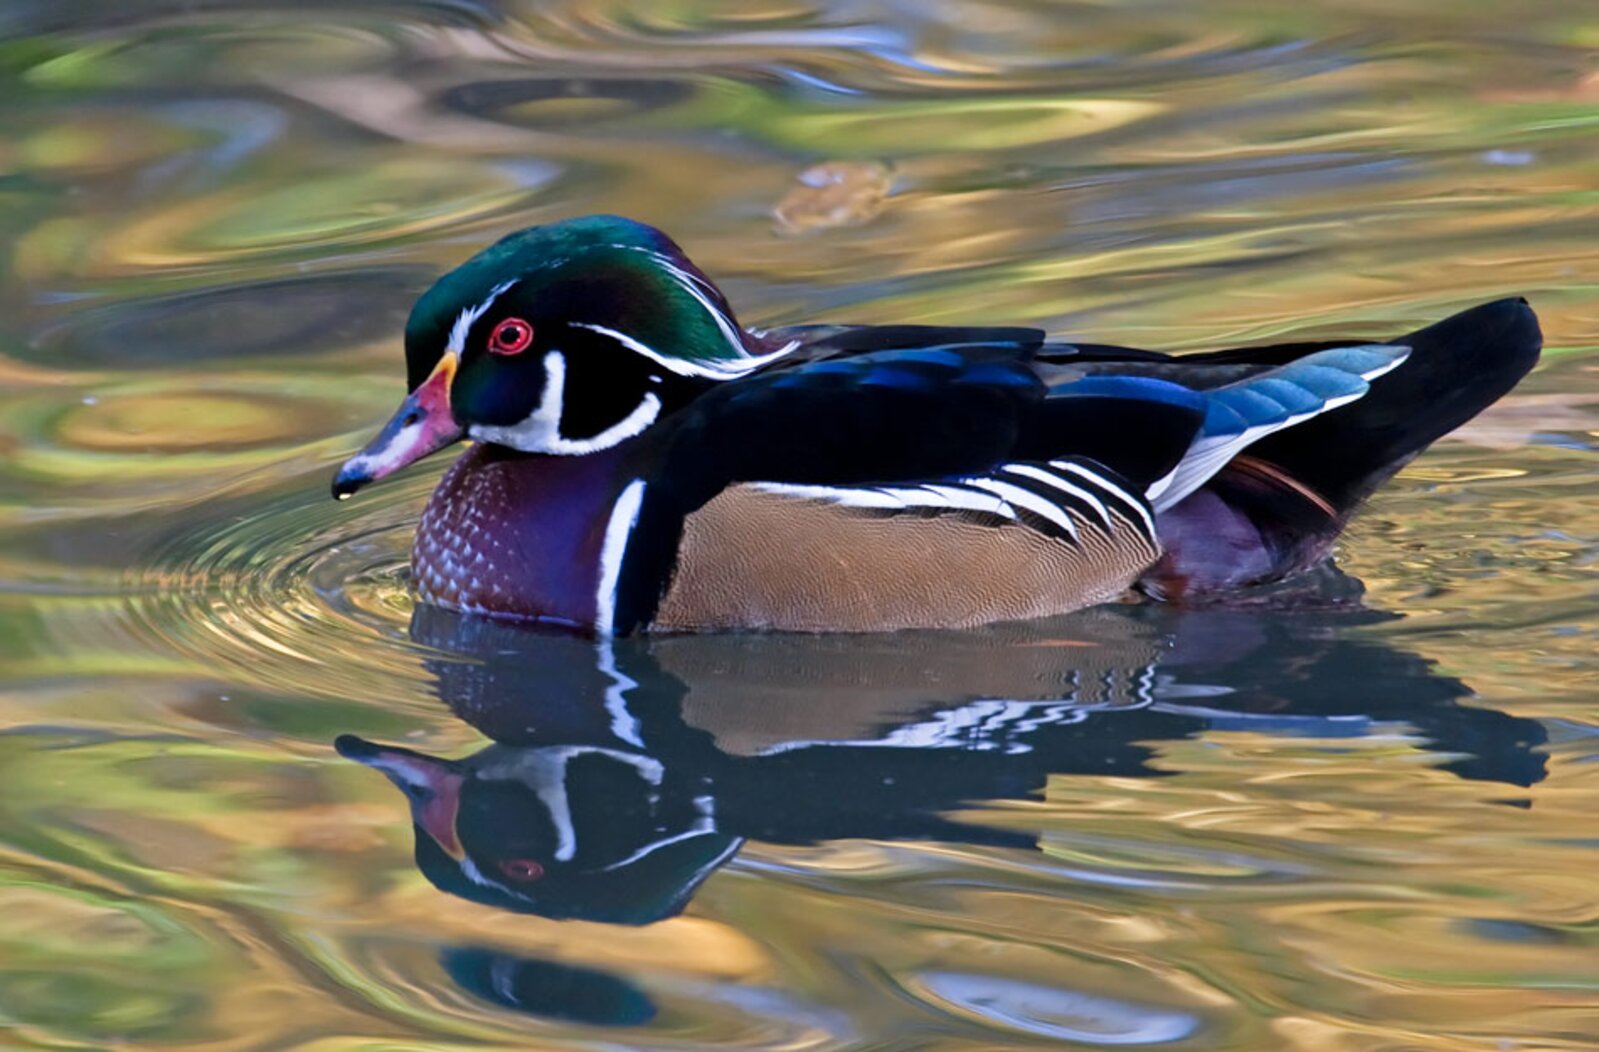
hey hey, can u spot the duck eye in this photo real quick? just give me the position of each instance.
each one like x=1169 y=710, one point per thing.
x=521 y=869
x=511 y=336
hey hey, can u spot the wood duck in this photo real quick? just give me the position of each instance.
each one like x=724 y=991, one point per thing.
x=621 y=774
x=643 y=461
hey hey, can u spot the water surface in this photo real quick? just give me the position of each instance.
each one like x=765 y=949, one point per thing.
x=1327 y=820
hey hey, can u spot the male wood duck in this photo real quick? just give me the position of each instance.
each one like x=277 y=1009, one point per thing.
x=622 y=773
x=643 y=461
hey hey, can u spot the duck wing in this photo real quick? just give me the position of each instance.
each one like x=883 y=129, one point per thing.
x=909 y=415
x=853 y=416
x=876 y=410
x=928 y=433
x=813 y=343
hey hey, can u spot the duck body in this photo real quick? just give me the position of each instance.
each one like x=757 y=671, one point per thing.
x=643 y=462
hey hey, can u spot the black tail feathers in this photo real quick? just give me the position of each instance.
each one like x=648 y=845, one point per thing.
x=1277 y=509
x=1457 y=368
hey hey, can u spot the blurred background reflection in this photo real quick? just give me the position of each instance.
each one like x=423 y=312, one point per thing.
x=1316 y=822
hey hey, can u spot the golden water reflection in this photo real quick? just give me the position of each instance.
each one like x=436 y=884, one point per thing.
x=1245 y=829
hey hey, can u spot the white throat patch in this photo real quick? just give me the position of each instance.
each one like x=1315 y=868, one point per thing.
x=541 y=431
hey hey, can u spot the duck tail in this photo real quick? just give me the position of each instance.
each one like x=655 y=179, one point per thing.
x=1456 y=369
x=1277 y=507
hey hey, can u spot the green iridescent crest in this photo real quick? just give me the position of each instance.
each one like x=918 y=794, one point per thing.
x=597 y=271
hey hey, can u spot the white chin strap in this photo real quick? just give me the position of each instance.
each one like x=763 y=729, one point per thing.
x=541 y=431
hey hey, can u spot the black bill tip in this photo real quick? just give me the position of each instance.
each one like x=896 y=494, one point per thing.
x=352 y=747
x=347 y=482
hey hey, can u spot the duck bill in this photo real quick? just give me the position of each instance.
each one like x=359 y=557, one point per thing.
x=433 y=786
x=422 y=425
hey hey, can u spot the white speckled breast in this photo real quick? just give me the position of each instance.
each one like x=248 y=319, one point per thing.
x=516 y=535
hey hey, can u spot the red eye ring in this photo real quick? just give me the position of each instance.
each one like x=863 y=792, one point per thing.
x=521 y=869
x=511 y=336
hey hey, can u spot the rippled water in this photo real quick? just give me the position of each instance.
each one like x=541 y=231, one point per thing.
x=1332 y=825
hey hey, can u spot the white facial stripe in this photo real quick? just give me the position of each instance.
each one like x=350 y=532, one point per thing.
x=624 y=516
x=710 y=368
x=464 y=321
x=737 y=367
x=541 y=431
x=477 y=876
x=552 y=794
x=701 y=826
x=693 y=287
x=642 y=416
x=676 y=365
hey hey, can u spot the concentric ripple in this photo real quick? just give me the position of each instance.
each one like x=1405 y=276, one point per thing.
x=383 y=203
x=303 y=596
x=107 y=445
x=1363 y=833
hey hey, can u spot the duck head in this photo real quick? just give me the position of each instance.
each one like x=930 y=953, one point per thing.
x=562 y=832
x=563 y=339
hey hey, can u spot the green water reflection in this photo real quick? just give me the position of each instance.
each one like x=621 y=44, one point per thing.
x=1255 y=829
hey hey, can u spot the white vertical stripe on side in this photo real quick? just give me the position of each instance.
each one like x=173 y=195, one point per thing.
x=624 y=516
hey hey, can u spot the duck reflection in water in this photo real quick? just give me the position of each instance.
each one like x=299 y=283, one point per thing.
x=622 y=774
